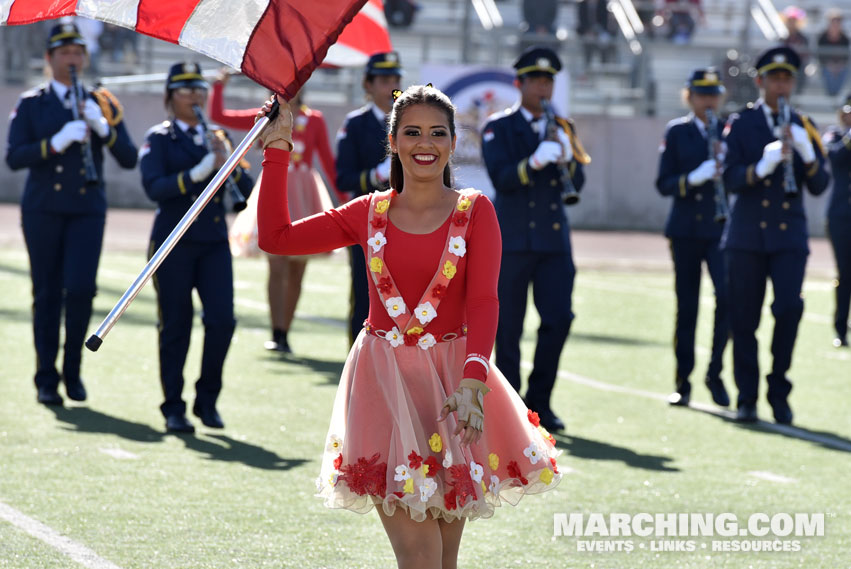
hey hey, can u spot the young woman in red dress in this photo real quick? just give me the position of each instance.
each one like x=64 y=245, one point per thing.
x=433 y=253
x=307 y=196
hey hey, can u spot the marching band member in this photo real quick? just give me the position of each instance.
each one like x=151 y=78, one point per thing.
x=63 y=210
x=767 y=167
x=177 y=161
x=688 y=172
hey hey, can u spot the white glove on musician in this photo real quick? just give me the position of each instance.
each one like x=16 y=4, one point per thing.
x=802 y=143
x=772 y=155
x=567 y=149
x=203 y=169
x=703 y=173
x=468 y=402
x=95 y=119
x=71 y=132
x=547 y=152
x=382 y=172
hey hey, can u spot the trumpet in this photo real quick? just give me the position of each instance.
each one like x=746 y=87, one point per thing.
x=78 y=97
x=784 y=111
x=568 y=192
x=721 y=208
x=236 y=196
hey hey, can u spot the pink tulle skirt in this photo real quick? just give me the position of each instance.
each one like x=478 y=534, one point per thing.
x=385 y=446
x=306 y=193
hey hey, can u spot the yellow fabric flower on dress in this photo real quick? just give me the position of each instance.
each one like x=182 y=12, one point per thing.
x=464 y=204
x=493 y=461
x=449 y=270
x=546 y=476
x=435 y=443
x=424 y=469
x=409 y=486
x=484 y=488
x=382 y=206
x=376 y=264
x=415 y=330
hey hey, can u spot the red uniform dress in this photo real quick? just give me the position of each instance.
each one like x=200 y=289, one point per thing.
x=431 y=323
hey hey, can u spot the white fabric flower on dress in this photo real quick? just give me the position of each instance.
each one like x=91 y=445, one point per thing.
x=402 y=473
x=457 y=246
x=425 y=312
x=494 y=485
x=427 y=489
x=377 y=241
x=332 y=478
x=395 y=306
x=476 y=471
x=426 y=341
x=395 y=337
x=447 y=459
x=335 y=444
x=533 y=452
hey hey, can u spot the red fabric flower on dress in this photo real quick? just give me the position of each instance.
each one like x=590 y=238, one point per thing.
x=384 y=285
x=399 y=494
x=460 y=218
x=338 y=462
x=416 y=460
x=412 y=339
x=555 y=466
x=514 y=472
x=433 y=466
x=533 y=418
x=462 y=483
x=366 y=477
x=439 y=291
x=378 y=222
x=449 y=500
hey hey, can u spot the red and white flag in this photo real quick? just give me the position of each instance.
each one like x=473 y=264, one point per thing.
x=277 y=43
x=367 y=34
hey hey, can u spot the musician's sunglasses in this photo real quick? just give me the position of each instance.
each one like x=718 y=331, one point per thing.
x=186 y=91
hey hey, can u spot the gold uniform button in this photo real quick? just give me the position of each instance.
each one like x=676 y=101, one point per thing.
x=699 y=217
x=762 y=225
x=59 y=168
x=82 y=191
x=767 y=183
x=217 y=199
x=553 y=183
x=217 y=219
x=556 y=226
x=553 y=206
x=531 y=204
x=785 y=205
x=532 y=224
x=57 y=186
x=82 y=171
x=783 y=227
x=699 y=197
x=766 y=203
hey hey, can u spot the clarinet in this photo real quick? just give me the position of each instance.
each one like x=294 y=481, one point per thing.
x=721 y=208
x=91 y=172
x=568 y=193
x=784 y=111
x=236 y=196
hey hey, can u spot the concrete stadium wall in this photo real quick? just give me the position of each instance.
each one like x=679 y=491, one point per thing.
x=619 y=192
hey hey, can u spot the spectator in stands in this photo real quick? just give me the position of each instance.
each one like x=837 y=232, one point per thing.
x=833 y=53
x=597 y=29
x=682 y=16
x=400 y=13
x=796 y=20
x=540 y=16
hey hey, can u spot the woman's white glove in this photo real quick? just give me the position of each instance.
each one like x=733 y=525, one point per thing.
x=468 y=402
x=71 y=132
x=772 y=155
x=706 y=171
x=546 y=153
x=803 y=144
x=95 y=119
x=203 y=169
x=280 y=129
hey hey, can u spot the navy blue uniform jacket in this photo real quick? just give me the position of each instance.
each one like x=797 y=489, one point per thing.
x=762 y=217
x=839 y=151
x=528 y=203
x=692 y=214
x=165 y=160
x=361 y=146
x=56 y=182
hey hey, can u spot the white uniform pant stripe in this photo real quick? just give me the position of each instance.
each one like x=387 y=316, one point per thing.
x=217 y=30
x=119 y=12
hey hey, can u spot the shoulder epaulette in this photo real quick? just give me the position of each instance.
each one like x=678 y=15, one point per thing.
x=112 y=110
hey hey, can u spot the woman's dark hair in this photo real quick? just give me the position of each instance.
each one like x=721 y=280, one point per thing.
x=417 y=95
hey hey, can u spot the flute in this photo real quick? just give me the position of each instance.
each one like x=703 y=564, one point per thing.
x=91 y=172
x=721 y=208
x=569 y=193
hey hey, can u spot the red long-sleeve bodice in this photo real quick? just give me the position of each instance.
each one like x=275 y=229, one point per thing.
x=412 y=259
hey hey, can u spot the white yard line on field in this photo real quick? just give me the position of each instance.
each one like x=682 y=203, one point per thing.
x=67 y=546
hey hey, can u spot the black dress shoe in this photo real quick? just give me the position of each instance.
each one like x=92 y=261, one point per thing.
x=210 y=417
x=550 y=421
x=178 y=424
x=746 y=413
x=718 y=391
x=782 y=411
x=49 y=396
x=75 y=389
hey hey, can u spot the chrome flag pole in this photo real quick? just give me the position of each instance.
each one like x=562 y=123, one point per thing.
x=95 y=340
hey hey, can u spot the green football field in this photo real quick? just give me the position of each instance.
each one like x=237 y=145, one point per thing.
x=101 y=485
